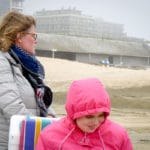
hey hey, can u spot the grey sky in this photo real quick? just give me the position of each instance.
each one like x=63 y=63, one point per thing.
x=133 y=14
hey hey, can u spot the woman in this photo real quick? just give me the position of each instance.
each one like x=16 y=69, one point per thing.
x=22 y=90
x=86 y=126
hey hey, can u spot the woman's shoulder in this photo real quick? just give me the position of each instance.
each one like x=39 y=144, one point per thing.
x=4 y=63
x=5 y=67
x=5 y=56
x=5 y=59
x=2 y=56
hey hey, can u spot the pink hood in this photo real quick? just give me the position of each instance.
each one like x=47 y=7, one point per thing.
x=87 y=97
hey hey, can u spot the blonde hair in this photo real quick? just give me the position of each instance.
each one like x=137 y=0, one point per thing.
x=13 y=23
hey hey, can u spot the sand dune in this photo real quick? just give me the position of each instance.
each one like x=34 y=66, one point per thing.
x=58 y=70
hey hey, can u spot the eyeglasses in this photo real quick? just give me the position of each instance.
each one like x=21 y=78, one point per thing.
x=34 y=35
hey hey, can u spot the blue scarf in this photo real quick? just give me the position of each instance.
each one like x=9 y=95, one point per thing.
x=34 y=73
x=29 y=61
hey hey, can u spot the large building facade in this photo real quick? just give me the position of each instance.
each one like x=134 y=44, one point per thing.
x=8 y=5
x=73 y=22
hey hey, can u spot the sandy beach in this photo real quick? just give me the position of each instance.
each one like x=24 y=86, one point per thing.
x=129 y=91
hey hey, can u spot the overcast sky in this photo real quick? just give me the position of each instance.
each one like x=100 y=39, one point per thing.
x=133 y=14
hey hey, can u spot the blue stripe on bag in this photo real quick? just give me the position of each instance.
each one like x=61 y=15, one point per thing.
x=29 y=138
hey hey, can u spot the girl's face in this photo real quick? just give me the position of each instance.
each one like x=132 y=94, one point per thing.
x=27 y=40
x=90 y=122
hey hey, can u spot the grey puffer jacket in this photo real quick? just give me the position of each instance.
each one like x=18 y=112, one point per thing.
x=16 y=95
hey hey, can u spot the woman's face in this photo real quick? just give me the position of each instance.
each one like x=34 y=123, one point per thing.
x=91 y=122
x=27 y=40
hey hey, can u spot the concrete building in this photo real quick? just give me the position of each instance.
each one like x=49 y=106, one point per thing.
x=135 y=54
x=72 y=22
x=68 y=34
x=8 y=5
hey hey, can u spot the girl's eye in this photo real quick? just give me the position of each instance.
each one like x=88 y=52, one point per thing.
x=101 y=115
x=89 y=116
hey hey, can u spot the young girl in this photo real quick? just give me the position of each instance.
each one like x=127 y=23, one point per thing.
x=86 y=126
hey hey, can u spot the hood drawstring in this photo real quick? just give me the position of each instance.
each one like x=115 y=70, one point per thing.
x=65 y=138
x=101 y=140
x=84 y=139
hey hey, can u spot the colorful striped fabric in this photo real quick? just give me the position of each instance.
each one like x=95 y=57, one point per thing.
x=30 y=130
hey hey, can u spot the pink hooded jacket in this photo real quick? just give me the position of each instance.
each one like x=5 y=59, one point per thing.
x=84 y=97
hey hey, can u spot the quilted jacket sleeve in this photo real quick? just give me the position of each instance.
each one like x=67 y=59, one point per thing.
x=10 y=99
